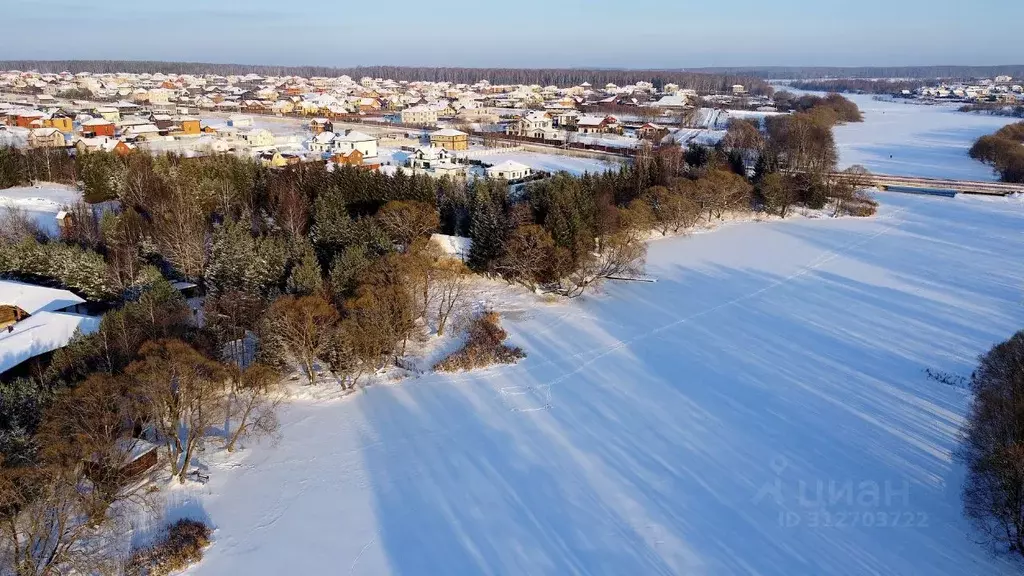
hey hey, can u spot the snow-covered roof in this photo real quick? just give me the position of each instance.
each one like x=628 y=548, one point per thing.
x=448 y=132
x=590 y=120
x=508 y=166
x=324 y=138
x=41 y=333
x=135 y=448
x=356 y=136
x=143 y=129
x=32 y=298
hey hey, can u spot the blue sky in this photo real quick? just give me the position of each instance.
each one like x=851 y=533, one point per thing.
x=528 y=33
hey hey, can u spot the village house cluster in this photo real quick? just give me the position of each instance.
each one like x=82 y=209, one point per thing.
x=1001 y=89
x=340 y=120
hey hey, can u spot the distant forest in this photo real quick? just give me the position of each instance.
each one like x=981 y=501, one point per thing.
x=700 y=81
x=809 y=72
x=861 y=85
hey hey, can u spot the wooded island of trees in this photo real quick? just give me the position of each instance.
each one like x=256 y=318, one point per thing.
x=325 y=273
x=1003 y=151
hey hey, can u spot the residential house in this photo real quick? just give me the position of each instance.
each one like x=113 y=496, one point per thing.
x=369 y=105
x=60 y=120
x=257 y=138
x=191 y=126
x=36 y=320
x=535 y=125
x=420 y=115
x=436 y=162
x=350 y=158
x=509 y=170
x=564 y=118
x=103 y=144
x=276 y=159
x=591 y=124
x=46 y=138
x=449 y=139
x=98 y=127
x=355 y=140
x=25 y=118
x=141 y=132
x=318 y=125
x=651 y=131
x=283 y=107
x=109 y=113
x=322 y=143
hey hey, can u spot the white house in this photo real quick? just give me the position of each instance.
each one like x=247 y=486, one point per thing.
x=322 y=143
x=257 y=138
x=535 y=125
x=436 y=162
x=509 y=170
x=355 y=140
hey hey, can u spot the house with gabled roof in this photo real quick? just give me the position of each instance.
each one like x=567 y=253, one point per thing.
x=37 y=320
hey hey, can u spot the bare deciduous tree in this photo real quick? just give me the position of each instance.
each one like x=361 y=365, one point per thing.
x=255 y=397
x=451 y=284
x=993 y=446
x=45 y=528
x=302 y=328
x=184 y=391
x=407 y=220
x=528 y=254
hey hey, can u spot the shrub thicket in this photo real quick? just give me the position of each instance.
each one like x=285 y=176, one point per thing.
x=485 y=346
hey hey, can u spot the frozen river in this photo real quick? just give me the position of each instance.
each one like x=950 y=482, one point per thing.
x=915 y=140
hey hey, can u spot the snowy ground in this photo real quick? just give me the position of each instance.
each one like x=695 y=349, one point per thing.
x=41 y=202
x=915 y=140
x=665 y=428
x=553 y=162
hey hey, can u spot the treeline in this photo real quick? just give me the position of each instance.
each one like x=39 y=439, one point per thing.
x=702 y=82
x=816 y=72
x=994 y=109
x=1003 y=151
x=831 y=109
x=861 y=85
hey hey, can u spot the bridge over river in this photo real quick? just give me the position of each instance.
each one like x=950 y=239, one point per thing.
x=936 y=186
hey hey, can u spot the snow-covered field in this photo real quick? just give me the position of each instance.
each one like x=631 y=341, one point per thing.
x=41 y=203
x=553 y=162
x=915 y=140
x=680 y=427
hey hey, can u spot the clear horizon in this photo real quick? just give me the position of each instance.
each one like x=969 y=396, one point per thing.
x=533 y=34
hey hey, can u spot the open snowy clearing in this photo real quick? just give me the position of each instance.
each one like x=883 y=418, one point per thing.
x=915 y=140
x=576 y=165
x=41 y=203
x=679 y=427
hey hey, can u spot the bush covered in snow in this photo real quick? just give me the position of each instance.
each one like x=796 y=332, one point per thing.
x=484 y=346
x=182 y=545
